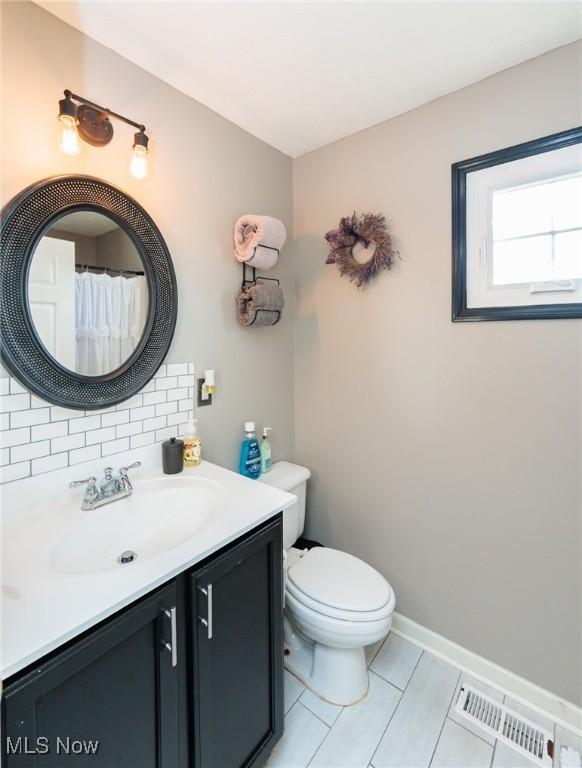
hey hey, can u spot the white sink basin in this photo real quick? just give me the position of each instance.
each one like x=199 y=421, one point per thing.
x=161 y=514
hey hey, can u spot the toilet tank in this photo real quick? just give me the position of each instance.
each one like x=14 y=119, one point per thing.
x=293 y=479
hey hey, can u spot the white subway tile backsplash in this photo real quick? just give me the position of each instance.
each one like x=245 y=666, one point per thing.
x=28 y=418
x=84 y=454
x=14 y=471
x=62 y=414
x=117 y=417
x=178 y=394
x=134 y=402
x=46 y=431
x=146 y=438
x=68 y=443
x=29 y=451
x=16 y=388
x=168 y=382
x=157 y=423
x=174 y=418
x=48 y=463
x=115 y=446
x=176 y=369
x=14 y=437
x=14 y=403
x=38 y=437
x=166 y=433
x=151 y=398
x=125 y=430
x=163 y=409
x=84 y=423
x=100 y=435
x=137 y=414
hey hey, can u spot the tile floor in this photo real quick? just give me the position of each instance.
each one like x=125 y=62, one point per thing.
x=406 y=721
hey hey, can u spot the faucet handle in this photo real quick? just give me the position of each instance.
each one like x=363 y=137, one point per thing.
x=123 y=470
x=90 y=481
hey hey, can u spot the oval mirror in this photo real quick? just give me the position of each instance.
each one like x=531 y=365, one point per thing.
x=87 y=293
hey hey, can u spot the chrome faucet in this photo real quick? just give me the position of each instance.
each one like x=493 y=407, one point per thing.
x=111 y=488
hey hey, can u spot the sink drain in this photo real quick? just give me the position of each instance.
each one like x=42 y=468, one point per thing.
x=126 y=557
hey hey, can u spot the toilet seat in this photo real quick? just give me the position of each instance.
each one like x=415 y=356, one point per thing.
x=339 y=586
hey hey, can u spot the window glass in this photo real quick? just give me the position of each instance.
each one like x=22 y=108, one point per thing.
x=537 y=232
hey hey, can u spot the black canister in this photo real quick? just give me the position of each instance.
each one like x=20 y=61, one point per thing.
x=172 y=456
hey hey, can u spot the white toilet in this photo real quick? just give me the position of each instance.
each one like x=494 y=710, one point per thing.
x=335 y=604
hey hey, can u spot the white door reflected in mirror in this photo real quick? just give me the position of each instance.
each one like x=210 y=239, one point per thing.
x=88 y=294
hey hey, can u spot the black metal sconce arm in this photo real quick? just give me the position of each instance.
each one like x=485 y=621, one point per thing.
x=93 y=120
x=82 y=101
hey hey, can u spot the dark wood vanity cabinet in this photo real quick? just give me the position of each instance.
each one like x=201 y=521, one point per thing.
x=117 y=687
x=237 y=708
x=190 y=676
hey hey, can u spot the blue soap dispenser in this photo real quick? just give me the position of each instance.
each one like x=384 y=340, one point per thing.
x=250 y=453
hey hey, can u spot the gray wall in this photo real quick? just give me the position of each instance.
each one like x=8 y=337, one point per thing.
x=447 y=455
x=204 y=173
x=115 y=249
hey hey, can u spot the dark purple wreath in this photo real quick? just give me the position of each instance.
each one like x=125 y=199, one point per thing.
x=366 y=228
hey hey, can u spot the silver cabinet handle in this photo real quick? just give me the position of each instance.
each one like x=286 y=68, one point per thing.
x=172 y=646
x=207 y=622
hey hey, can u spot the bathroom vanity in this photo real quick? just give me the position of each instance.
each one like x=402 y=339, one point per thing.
x=188 y=672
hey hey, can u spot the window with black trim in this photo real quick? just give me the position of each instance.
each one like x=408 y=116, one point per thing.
x=517 y=231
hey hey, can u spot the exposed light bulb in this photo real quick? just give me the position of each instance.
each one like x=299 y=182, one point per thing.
x=69 y=143
x=138 y=167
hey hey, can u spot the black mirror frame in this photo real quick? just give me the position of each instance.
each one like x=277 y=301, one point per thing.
x=24 y=220
x=460 y=311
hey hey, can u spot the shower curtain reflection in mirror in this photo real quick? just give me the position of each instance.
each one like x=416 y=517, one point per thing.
x=87 y=293
x=110 y=315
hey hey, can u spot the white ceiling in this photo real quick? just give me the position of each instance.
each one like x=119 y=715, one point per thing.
x=302 y=74
x=88 y=223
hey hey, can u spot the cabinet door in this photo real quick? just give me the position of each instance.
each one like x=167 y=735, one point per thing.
x=117 y=686
x=238 y=653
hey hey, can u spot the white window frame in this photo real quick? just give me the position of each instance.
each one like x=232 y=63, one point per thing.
x=474 y=182
x=481 y=186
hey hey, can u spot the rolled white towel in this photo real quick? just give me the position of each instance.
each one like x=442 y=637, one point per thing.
x=251 y=232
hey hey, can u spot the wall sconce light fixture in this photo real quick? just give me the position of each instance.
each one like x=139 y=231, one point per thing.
x=92 y=123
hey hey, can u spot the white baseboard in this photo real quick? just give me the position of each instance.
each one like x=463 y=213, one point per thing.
x=563 y=712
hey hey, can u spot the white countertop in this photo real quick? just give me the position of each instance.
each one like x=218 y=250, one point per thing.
x=43 y=608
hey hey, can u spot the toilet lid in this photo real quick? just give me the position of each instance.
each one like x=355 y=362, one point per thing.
x=339 y=580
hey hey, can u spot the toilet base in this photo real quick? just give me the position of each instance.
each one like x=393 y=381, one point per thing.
x=337 y=675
